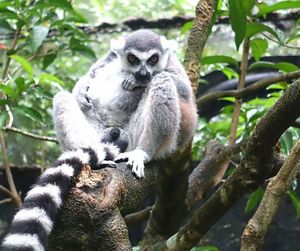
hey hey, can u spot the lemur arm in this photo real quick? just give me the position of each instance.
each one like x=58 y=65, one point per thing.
x=73 y=130
x=155 y=125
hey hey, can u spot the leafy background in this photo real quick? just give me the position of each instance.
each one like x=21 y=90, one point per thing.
x=52 y=51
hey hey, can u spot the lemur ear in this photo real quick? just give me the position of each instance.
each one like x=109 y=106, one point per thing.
x=117 y=45
x=168 y=44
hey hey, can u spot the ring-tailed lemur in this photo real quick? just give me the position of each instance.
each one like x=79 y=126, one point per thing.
x=141 y=87
x=34 y=221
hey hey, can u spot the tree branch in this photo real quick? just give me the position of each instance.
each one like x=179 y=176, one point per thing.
x=238 y=101
x=138 y=217
x=256 y=229
x=91 y=218
x=30 y=135
x=248 y=90
x=210 y=170
x=205 y=10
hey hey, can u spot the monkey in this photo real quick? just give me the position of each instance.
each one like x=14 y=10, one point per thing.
x=141 y=87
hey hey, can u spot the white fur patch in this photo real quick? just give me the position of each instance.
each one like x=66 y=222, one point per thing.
x=34 y=214
x=65 y=169
x=23 y=240
x=51 y=190
x=79 y=154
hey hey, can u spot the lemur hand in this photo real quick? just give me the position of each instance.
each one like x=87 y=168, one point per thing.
x=129 y=82
x=136 y=159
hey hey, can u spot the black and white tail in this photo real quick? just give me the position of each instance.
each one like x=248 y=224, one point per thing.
x=34 y=221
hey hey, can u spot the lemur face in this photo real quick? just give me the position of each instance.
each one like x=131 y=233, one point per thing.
x=143 y=65
x=143 y=54
x=115 y=136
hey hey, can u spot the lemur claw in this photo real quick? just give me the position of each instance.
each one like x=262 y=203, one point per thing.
x=135 y=160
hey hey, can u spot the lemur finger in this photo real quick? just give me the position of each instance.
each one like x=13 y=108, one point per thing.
x=108 y=163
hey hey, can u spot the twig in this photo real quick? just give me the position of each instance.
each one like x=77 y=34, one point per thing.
x=8 y=200
x=283 y=45
x=14 y=194
x=248 y=90
x=30 y=135
x=256 y=229
x=241 y=85
x=7 y=63
x=5 y=190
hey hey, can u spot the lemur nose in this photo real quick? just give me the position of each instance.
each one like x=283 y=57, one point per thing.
x=115 y=133
x=142 y=75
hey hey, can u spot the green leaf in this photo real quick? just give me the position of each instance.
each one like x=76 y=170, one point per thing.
x=24 y=63
x=219 y=59
x=238 y=21
x=230 y=99
x=77 y=46
x=38 y=35
x=5 y=27
x=186 y=27
x=287 y=67
x=282 y=5
x=258 y=47
x=3 y=102
x=30 y=113
x=63 y=4
x=283 y=66
x=255 y=28
x=48 y=59
x=254 y=199
x=247 y=6
x=20 y=82
x=8 y=90
x=296 y=201
x=77 y=17
x=47 y=78
x=205 y=248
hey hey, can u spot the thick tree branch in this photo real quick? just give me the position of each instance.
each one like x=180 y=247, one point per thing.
x=210 y=170
x=91 y=218
x=256 y=229
x=248 y=90
x=250 y=173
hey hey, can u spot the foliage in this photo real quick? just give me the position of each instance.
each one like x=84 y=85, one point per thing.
x=52 y=51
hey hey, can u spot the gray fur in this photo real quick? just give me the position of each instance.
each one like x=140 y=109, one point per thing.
x=148 y=112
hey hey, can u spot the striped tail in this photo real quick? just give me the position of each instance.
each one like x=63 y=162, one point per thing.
x=34 y=221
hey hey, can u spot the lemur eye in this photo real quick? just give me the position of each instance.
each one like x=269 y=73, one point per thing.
x=132 y=59
x=153 y=59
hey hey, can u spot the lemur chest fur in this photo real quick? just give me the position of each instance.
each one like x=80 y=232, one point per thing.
x=111 y=104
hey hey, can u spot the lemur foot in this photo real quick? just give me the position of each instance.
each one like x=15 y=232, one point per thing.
x=129 y=83
x=136 y=159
